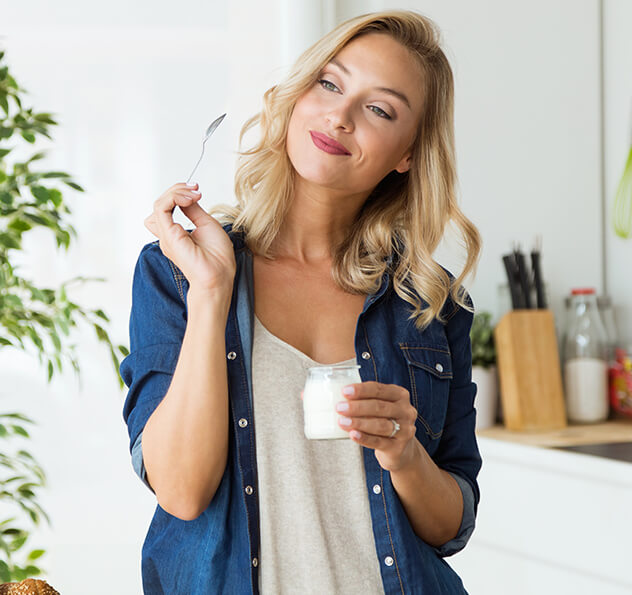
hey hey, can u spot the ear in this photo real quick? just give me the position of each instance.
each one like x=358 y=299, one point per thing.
x=404 y=165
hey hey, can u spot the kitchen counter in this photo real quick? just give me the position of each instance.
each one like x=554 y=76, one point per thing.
x=610 y=440
x=616 y=430
x=554 y=512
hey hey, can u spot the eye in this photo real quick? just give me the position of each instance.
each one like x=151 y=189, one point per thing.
x=325 y=84
x=380 y=112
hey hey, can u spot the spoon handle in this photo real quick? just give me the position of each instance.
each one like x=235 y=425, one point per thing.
x=214 y=124
x=196 y=165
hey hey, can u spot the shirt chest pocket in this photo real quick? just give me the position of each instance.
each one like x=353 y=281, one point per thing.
x=430 y=373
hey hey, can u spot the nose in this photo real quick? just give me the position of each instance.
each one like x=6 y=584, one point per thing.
x=341 y=116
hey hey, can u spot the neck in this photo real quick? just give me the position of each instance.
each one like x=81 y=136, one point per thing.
x=317 y=222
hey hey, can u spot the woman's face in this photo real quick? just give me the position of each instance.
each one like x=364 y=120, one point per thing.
x=358 y=121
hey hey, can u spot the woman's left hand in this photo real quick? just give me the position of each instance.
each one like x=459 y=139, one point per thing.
x=367 y=414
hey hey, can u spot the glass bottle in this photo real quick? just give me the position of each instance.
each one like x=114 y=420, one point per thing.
x=606 y=311
x=585 y=360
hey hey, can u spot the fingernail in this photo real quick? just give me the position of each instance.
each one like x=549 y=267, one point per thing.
x=348 y=390
x=342 y=406
x=196 y=192
x=192 y=185
x=345 y=421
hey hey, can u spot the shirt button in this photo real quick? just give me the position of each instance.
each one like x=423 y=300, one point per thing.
x=249 y=490
x=232 y=355
x=438 y=367
x=255 y=562
x=243 y=422
x=366 y=355
x=377 y=489
x=388 y=561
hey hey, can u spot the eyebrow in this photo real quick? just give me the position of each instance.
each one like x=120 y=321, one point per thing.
x=393 y=92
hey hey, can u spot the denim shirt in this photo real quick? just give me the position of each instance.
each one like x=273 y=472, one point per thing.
x=218 y=551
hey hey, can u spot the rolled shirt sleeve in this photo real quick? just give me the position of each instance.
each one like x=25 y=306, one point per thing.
x=458 y=452
x=157 y=325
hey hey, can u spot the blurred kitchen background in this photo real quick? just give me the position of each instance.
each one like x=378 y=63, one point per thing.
x=543 y=125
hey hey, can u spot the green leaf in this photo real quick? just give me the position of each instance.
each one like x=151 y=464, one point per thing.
x=3 y=431
x=46 y=118
x=4 y=153
x=50 y=370
x=19 y=225
x=28 y=136
x=102 y=314
x=124 y=350
x=101 y=334
x=37 y=156
x=4 y=104
x=35 y=554
x=5 y=573
x=19 y=416
x=5 y=132
x=56 y=342
x=9 y=241
x=21 y=431
x=75 y=186
x=32 y=570
x=18 y=543
x=3 y=177
x=41 y=193
x=55 y=174
x=6 y=198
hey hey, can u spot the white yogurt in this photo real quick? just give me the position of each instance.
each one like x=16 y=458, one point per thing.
x=323 y=389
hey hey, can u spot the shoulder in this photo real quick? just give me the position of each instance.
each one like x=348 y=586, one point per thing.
x=451 y=307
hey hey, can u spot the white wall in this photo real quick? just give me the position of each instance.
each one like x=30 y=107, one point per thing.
x=134 y=87
x=527 y=132
x=618 y=139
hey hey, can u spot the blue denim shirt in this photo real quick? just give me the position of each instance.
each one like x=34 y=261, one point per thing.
x=218 y=551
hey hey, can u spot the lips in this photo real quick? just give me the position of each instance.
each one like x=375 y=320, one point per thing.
x=329 y=145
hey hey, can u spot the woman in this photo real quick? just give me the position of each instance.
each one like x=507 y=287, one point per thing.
x=327 y=258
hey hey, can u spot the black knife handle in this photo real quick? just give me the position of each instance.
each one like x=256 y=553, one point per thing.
x=523 y=275
x=512 y=279
x=537 y=279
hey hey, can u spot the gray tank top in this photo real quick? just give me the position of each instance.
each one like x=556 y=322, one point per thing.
x=316 y=533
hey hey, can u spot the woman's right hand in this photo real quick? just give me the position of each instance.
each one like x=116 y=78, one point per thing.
x=205 y=256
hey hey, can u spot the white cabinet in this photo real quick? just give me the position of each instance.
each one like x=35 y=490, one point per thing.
x=549 y=521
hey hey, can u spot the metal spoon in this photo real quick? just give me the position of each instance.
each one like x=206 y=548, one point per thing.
x=209 y=131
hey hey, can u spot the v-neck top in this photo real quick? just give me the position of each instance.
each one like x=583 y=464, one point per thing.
x=316 y=532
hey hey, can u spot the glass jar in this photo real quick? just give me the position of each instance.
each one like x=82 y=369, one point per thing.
x=322 y=391
x=585 y=360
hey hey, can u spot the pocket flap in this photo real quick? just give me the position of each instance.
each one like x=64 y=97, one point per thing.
x=435 y=360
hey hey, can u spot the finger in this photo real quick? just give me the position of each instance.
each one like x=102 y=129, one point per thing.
x=150 y=224
x=370 y=408
x=376 y=390
x=375 y=426
x=370 y=441
x=163 y=211
x=183 y=186
x=196 y=214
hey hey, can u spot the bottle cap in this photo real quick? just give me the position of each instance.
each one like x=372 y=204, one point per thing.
x=583 y=291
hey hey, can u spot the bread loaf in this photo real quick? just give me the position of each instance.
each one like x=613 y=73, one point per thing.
x=29 y=586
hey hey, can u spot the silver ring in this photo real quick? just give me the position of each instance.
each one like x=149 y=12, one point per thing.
x=395 y=428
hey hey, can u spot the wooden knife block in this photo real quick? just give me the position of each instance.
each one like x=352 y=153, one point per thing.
x=529 y=370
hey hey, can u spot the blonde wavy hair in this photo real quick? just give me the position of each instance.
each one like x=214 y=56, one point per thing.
x=405 y=215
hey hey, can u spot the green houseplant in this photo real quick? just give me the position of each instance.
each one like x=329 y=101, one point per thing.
x=484 y=369
x=482 y=338
x=36 y=320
